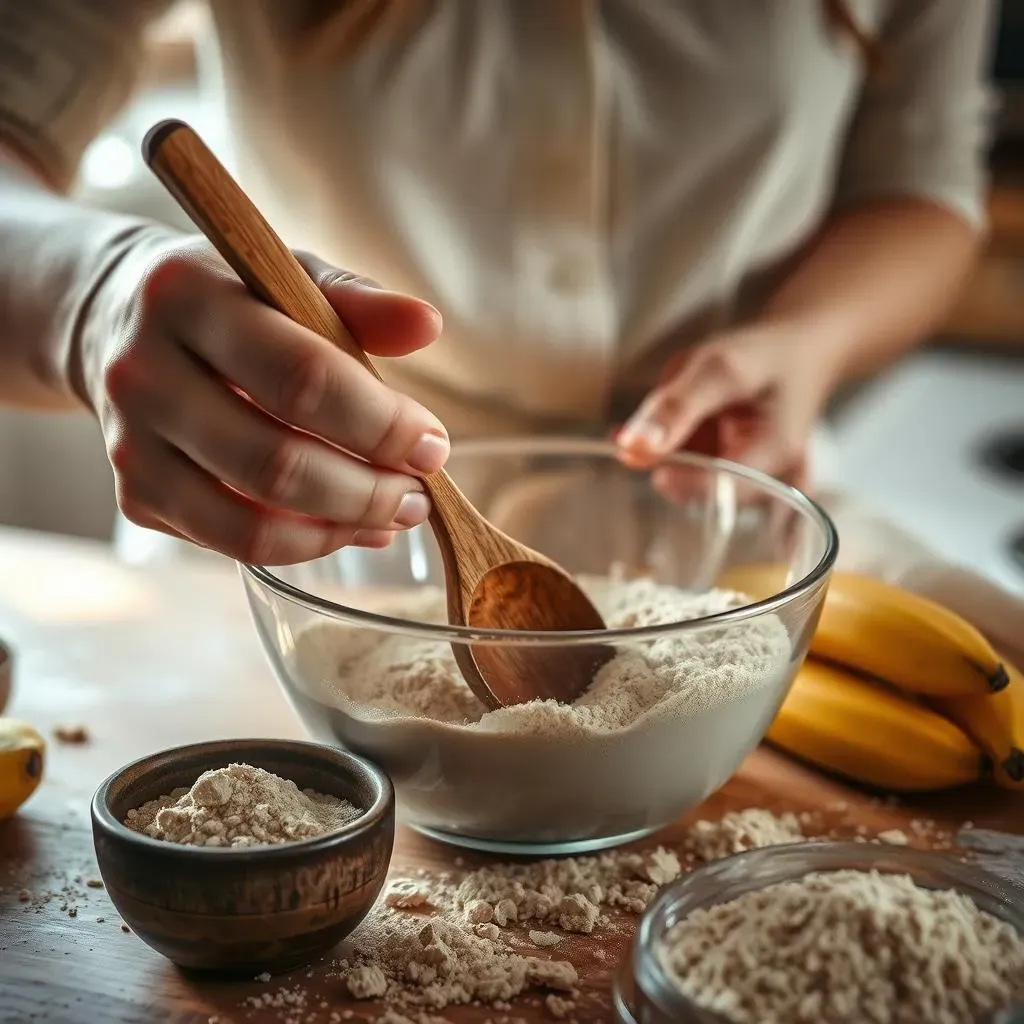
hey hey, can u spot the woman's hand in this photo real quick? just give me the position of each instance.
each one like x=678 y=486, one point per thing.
x=751 y=395
x=229 y=425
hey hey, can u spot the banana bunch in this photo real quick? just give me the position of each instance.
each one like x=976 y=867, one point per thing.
x=897 y=692
x=22 y=754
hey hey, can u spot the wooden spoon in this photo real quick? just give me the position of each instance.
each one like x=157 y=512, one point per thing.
x=492 y=582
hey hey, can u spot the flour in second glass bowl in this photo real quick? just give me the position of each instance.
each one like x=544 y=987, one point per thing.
x=396 y=676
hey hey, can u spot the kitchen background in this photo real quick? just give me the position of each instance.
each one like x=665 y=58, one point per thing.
x=937 y=443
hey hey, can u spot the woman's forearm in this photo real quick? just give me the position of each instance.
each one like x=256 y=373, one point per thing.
x=53 y=256
x=878 y=280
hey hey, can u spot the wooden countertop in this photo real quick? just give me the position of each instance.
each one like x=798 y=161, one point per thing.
x=151 y=659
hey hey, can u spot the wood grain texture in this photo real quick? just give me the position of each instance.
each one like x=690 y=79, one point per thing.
x=492 y=581
x=151 y=660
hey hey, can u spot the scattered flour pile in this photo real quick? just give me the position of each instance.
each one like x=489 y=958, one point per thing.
x=674 y=675
x=847 y=946
x=436 y=963
x=750 y=829
x=240 y=806
x=434 y=944
x=568 y=893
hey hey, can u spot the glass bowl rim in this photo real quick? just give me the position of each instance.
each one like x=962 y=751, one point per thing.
x=963 y=876
x=791 y=496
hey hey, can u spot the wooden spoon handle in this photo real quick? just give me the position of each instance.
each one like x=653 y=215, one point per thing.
x=226 y=215
x=229 y=219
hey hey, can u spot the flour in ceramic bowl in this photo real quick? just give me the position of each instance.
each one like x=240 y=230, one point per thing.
x=683 y=674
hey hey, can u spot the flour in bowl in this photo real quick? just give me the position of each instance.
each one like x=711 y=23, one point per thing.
x=680 y=674
x=240 y=806
x=835 y=947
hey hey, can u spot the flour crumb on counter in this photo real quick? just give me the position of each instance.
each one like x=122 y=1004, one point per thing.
x=293 y=999
x=68 y=894
x=738 y=831
x=366 y=981
x=843 y=946
x=544 y=939
x=894 y=837
x=71 y=735
x=559 y=1007
x=405 y=894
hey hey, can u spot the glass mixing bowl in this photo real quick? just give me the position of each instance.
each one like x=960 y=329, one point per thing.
x=359 y=619
x=644 y=992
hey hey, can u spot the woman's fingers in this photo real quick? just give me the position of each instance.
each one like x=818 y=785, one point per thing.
x=156 y=482
x=230 y=425
x=707 y=380
x=267 y=461
x=295 y=375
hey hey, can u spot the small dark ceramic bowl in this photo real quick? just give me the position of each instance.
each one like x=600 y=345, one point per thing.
x=249 y=909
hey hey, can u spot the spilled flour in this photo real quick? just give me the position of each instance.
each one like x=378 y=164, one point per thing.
x=675 y=675
x=737 y=831
x=437 y=943
x=845 y=946
x=240 y=805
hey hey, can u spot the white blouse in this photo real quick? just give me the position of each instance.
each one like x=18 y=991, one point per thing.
x=579 y=186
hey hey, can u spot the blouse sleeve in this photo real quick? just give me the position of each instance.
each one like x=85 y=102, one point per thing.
x=66 y=67
x=922 y=125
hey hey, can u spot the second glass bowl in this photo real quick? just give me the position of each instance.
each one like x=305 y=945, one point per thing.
x=644 y=993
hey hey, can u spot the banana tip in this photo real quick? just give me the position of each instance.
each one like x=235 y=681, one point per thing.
x=1013 y=765
x=999 y=678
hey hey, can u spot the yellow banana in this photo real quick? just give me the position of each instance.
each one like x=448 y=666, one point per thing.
x=757 y=580
x=848 y=725
x=22 y=754
x=901 y=638
x=996 y=724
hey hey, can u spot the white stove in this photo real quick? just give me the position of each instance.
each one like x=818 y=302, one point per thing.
x=937 y=445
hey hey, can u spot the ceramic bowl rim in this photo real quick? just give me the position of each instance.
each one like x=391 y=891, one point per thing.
x=796 y=499
x=371 y=820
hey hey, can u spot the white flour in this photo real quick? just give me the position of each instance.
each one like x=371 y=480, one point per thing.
x=678 y=675
x=240 y=805
x=847 y=946
x=750 y=829
x=663 y=725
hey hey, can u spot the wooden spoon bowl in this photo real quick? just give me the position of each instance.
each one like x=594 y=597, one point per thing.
x=492 y=581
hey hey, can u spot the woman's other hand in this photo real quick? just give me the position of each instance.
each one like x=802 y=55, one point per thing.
x=751 y=395
x=229 y=425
